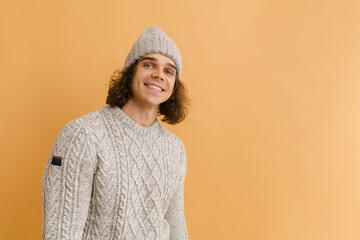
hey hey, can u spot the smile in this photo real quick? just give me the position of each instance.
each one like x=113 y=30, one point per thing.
x=154 y=87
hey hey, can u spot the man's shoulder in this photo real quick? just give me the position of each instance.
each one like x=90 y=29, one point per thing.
x=172 y=138
x=92 y=118
x=88 y=122
x=176 y=146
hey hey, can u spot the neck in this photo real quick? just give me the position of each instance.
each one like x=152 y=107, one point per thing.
x=142 y=115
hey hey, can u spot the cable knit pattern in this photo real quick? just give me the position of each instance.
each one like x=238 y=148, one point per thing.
x=117 y=180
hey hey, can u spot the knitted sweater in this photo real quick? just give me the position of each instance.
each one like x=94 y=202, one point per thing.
x=109 y=178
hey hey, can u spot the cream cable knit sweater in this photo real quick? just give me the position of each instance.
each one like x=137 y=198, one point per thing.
x=109 y=178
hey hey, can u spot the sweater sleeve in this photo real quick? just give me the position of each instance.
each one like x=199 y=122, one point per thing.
x=175 y=214
x=67 y=184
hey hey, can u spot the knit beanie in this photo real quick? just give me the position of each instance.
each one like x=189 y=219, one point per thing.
x=154 y=40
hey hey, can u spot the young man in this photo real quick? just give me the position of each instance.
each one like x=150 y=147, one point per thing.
x=117 y=173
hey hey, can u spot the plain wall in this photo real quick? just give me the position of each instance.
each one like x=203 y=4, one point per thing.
x=273 y=136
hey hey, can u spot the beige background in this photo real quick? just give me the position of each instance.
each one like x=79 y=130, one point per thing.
x=273 y=137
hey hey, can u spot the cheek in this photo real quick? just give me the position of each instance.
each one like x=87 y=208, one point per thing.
x=135 y=88
x=172 y=85
x=135 y=83
x=132 y=87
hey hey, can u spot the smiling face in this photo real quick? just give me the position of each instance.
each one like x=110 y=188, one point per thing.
x=153 y=80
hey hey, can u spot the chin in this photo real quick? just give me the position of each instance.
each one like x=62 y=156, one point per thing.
x=157 y=102
x=154 y=103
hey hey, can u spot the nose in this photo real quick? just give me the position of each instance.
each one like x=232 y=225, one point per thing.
x=157 y=74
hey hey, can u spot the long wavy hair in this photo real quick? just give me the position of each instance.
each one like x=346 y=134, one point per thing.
x=173 y=111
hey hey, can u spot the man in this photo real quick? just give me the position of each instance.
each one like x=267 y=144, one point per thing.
x=117 y=173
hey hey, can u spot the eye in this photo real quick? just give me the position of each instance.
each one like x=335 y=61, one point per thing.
x=148 y=65
x=169 y=72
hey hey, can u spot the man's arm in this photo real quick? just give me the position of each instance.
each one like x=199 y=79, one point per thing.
x=67 y=184
x=175 y=214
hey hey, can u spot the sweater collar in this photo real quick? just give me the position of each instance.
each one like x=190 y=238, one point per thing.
x=124 y=120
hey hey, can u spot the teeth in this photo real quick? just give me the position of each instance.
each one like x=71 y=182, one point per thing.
x=155 y=87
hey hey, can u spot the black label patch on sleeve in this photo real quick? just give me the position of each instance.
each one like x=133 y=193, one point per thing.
x=56 y=161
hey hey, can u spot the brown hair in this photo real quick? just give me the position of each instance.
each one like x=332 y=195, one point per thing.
x=174 y=110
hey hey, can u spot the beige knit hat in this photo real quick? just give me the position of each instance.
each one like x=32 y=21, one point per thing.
x=154 y=40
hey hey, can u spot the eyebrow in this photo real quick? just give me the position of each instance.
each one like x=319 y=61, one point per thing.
x=156 y=60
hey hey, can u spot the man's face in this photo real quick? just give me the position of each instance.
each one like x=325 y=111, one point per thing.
x=153 y=80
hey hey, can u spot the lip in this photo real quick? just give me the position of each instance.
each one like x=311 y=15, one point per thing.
x=157 y=85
